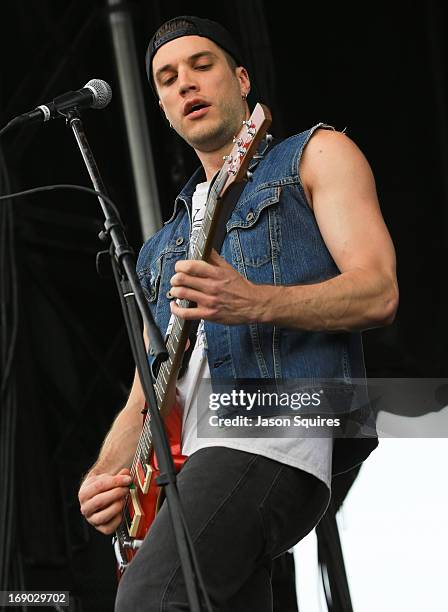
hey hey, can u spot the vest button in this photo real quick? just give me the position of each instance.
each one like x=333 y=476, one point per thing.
x=250 y=216
x=179 y=241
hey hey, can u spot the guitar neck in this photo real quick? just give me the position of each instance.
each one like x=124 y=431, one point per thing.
x=180 y=329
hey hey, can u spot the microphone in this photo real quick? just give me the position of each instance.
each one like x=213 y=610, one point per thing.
x=95 y=94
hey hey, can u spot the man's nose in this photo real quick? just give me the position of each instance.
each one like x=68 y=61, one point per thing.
x=186 y=82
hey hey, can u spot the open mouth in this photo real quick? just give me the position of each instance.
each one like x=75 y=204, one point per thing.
x=197 y=110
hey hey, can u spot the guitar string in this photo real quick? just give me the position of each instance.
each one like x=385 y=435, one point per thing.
x=144 y=446
x=145 y=440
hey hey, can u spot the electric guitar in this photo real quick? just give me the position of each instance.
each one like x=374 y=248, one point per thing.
x=145 y=497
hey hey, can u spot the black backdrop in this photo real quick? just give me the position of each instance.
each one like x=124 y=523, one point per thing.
x=379 y=72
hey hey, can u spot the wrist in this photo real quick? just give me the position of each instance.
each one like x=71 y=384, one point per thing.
x=266 y=299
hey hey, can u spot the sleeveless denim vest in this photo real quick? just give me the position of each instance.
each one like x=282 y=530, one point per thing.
x=272 y=238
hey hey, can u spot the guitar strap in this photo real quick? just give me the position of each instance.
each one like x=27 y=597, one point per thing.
x=228 y=204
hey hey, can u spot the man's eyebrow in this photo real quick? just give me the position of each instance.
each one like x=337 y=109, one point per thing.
x=191 y=59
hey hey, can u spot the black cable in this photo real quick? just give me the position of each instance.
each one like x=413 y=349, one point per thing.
x=9 y=125
x=11 y=196
x=18 y=194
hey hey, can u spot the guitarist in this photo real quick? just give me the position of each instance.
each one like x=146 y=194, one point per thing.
x=306 y=264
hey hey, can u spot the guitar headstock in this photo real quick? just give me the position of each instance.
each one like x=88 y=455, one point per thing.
x=246 y=145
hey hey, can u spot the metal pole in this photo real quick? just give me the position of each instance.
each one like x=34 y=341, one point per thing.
x=134 y=113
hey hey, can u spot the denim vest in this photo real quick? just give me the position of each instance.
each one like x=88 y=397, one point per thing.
x=272 y=238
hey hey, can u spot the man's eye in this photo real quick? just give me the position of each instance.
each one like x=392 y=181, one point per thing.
x=203 y=66
x=168 y=81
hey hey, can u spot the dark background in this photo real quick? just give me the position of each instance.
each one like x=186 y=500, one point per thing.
x=66 y=366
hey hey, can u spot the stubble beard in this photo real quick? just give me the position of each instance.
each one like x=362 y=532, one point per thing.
x=216 y=136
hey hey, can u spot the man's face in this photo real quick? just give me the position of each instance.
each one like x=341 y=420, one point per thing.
x=199 y=93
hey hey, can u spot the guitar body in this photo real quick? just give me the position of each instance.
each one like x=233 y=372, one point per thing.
x=146 y=496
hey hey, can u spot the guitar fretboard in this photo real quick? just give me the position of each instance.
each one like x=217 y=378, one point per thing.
x=177 y=339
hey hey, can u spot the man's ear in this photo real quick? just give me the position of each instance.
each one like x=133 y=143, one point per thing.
x=243 y=78
x=162 y=110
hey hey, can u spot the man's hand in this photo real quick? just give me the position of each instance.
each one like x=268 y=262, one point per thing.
x=101 y=497
x=221 y=294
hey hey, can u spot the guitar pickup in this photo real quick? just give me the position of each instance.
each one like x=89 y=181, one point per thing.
x=133 y=513
x=144 y=474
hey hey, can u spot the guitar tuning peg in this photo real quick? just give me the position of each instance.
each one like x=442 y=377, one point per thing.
x=269 y=138
x=249 y=175
x=228 y=159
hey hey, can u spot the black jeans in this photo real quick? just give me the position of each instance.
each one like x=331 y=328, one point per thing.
x=243 y=510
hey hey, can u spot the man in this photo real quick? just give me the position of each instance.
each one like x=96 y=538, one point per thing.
x=306 y=263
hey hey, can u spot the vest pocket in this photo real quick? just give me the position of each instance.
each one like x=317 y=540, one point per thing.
x=257 y=228
x=149 y=278
x=157 y=275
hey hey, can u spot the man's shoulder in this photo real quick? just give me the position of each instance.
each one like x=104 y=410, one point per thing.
x=332 y=157
x=320 y=132
x=328 y=139
x=330 y=145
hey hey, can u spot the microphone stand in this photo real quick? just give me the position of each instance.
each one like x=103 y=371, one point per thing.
x=128 y=286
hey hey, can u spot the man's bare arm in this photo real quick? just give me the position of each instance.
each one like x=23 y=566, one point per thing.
x=341 y=190
x=105 y=487
x=120 y=443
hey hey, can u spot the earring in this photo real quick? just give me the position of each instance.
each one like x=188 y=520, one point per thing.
x=243 y=96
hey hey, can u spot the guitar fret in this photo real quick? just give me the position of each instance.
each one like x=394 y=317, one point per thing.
x=145 y=443
x=148 y=440
x=145 y=431
x=178 y=325
x=159 y=393
x=170 y=345
x=142 y=456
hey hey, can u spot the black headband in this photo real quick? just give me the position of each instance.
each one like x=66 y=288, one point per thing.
x=190 y=26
